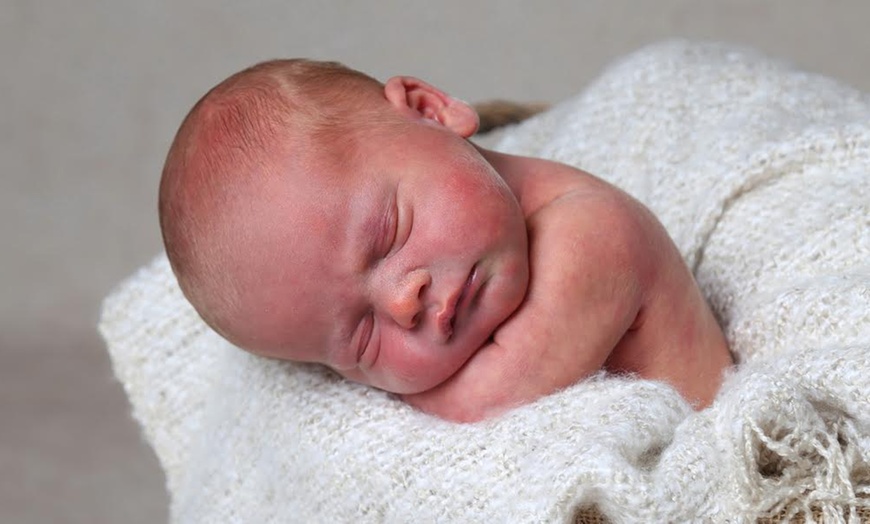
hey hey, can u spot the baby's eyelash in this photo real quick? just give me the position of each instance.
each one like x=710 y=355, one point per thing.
x=368 y=327
x=392 y=226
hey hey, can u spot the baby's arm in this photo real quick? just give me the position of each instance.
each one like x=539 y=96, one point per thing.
x=608 y=289
x=585 y=293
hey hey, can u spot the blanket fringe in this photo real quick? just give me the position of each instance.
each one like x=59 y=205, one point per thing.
x=808 y=462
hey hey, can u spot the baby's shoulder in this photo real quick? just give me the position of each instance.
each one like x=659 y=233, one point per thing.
x=595 y=231
x=568 y=209
x=589 y=208
x=552 y=190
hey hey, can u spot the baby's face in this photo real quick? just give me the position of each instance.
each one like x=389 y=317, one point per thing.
x=393 y=269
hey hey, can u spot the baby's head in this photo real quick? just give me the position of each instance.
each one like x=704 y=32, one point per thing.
x=314 y=214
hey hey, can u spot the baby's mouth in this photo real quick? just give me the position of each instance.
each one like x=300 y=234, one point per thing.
x=447 y=318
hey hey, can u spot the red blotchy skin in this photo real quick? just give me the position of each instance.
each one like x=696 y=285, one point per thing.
x=467 y=281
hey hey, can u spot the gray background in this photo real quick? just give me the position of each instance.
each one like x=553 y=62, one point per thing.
x=91 y=93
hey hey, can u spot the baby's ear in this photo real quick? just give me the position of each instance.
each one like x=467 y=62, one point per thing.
x=428 y=102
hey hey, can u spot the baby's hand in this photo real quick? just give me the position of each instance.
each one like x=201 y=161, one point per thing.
x=498 y=378
x=493 y=381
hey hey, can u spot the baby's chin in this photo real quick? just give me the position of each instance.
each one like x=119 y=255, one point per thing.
x=404 y=377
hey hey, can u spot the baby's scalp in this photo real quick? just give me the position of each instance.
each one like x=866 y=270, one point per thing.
x=226 y=148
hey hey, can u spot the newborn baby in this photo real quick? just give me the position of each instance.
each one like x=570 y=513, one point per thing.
x=314 y=214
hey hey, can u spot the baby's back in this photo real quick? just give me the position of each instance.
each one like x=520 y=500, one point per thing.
x=605 y=269
x=674 y=337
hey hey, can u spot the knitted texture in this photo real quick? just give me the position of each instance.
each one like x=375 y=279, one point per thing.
x=759 y=173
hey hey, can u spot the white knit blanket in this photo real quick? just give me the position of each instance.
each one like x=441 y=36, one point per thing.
x=759 y=172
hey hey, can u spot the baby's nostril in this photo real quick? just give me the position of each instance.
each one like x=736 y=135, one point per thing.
x=415 y=320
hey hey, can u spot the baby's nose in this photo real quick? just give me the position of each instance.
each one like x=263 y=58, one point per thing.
x=405 y=302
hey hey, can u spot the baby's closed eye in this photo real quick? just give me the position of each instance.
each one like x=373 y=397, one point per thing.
x=364 y=338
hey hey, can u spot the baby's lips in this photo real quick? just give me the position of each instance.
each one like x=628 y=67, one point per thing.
x=445 y=317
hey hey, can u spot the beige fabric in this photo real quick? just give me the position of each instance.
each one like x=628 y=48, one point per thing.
x=759 y=172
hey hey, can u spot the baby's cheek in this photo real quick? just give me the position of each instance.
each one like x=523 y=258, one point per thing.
x=416 y=365
x=409 y=363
